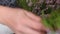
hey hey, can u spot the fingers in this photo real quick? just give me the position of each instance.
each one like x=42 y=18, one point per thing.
x=33 y=24
x=30 y=27
x=26 y=30
x=33 y=21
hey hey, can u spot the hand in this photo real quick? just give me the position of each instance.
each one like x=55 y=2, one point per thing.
x=23 y=22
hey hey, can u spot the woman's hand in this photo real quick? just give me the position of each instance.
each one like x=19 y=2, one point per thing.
x=21 y=21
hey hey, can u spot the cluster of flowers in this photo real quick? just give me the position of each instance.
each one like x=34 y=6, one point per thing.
x=44 y=5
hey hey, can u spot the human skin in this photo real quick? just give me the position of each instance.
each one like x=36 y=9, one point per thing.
x=21 y=21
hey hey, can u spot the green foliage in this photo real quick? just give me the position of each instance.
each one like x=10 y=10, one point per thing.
x=52 y=20
x=23 y=4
